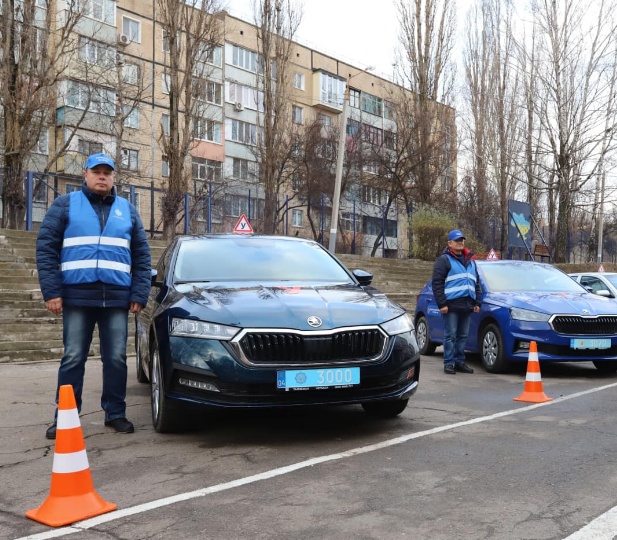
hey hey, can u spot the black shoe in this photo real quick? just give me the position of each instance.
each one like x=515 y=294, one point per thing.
x=121 y=425
x=463 y=368
x=449 y=369
x=51 y=432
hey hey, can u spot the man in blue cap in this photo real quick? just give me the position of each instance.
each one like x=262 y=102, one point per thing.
x=93 y=261
x=457 y=291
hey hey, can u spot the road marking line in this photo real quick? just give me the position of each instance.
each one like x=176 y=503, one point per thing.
x=604 y=527
x=119 y=514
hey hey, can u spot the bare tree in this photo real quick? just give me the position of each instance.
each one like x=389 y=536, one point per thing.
x=277 y=22
x=192 y=32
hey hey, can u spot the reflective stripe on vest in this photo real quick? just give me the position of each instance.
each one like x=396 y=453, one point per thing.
x=460 y=281
x=87 y=254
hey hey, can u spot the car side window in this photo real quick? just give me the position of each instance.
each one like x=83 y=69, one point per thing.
x=595 y=283
x=163 y=265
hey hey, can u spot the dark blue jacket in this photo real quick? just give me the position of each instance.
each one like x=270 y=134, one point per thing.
x=440 y=273
x=97 y=294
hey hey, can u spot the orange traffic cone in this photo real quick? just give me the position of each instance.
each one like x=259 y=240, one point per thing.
x=72 y=496
x=533 y=392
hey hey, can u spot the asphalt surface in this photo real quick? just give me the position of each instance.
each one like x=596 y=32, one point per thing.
x=532 y=473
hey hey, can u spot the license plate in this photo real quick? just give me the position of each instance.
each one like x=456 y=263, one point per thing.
x=600 y=343
x=306 y=379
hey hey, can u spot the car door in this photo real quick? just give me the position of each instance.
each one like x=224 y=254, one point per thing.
x=433 y=315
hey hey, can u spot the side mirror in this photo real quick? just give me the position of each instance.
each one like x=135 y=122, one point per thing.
x=606 y=294
x=154 y=281
x=363 y=277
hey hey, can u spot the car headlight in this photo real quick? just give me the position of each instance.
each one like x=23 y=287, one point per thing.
x=399 y=325
x=201 y=329
x=519 y=314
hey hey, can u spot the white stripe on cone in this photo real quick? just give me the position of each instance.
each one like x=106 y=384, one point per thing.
x=533 y=377
x=533 y=357
x=70 y=463
x=68 y=419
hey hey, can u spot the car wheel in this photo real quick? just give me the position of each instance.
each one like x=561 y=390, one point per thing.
x=141 y=374
x=609 y=366
x=164 y=417
x=427 y=347
x=386 y=408
x=492 y=350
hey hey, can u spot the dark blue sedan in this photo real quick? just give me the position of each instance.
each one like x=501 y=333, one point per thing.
x=524 y=302
x=261 y=321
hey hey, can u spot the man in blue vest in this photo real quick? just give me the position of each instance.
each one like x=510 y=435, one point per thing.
x=93 y=261
x=457 y=291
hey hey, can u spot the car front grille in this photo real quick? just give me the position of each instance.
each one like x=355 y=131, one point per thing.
x=585 y=326
x=272 y=348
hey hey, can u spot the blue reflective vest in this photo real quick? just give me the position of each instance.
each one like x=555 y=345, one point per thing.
x=87 y=254
x=461 y=281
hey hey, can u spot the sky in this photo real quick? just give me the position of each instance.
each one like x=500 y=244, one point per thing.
x=361 y=32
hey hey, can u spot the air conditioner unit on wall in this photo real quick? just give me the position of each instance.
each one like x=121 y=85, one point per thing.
x=123 y=39
x=238 y=106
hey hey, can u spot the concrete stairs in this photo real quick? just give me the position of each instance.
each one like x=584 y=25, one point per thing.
x=28 y=332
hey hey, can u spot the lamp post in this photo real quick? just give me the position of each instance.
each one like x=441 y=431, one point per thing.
x=339 y=165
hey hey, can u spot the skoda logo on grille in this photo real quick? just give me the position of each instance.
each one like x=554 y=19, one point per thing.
x=313 y=321
x=585 y=312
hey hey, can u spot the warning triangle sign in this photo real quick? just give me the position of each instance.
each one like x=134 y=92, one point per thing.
x=492 y=256
x=243 y=226
x=601 y=269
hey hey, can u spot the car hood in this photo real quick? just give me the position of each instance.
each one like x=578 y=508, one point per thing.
x=565 y=303
x=257 y=305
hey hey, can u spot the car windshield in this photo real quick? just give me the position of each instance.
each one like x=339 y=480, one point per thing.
x=613 y=279
x=256 y=259
x=527 y=277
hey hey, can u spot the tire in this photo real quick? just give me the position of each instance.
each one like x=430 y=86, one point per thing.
x=607 y=367
x=386 y=408
x=492 y=350
x=164 y=415
x=142 y=377
x=427 y=347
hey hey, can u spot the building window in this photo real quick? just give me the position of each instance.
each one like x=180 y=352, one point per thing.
x=241 y=131
x=69 y=188
x=93 y=99
x=297 y=114
x=206 y=170
x=374 y=195
x=372 y=134
x=130 y=159
x=354 y=98
x=166 y=47
x=332 y=90
x=164 y=166
x=165 y=124
x=131 y=28
x=214 y=56
x=97 y=53
x=206 y=130
x=244 y=59
x=166 y=81
x=297 y=182
x=244 y=169
x=248 y=97
x=130 y=73
x=299 y=81
x=347 y=221
x=374 y=226
x=389 y=110
x=296 y=218
x=324 y=120
x=101 y=10
x=131 y=116
x=42 y=144
x=372 y=104
x=389 y=139
x=208 y=91
x=371 y=167
x=87 y=148
x=353 y=128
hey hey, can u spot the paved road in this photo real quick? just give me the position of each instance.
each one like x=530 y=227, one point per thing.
x=457 y=469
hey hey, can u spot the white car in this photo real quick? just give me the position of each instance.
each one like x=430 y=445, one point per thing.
x=600 y=283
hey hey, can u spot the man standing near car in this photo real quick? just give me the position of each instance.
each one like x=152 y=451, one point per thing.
x=93 y=261
x=457 y=291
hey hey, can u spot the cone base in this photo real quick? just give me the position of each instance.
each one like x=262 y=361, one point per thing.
x=59 y=511
x=533 y=397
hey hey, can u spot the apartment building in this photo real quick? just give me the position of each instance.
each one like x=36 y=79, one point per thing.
x=115 y=99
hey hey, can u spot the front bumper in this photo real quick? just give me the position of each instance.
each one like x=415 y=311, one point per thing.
x=395 y=376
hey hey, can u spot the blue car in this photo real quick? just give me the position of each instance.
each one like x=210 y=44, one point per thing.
x=523 y=302
x=263 y=321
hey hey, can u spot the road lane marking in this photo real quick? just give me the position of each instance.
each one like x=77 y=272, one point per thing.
x=604 y=527
x=146 y=507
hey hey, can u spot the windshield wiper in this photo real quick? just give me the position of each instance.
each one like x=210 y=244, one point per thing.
x=184 y=281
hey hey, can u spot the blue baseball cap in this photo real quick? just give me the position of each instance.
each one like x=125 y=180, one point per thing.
x=99 y=159
x=455 y=235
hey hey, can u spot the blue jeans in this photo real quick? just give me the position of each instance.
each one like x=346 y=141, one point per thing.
x=456 y=328
x=77 y=336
